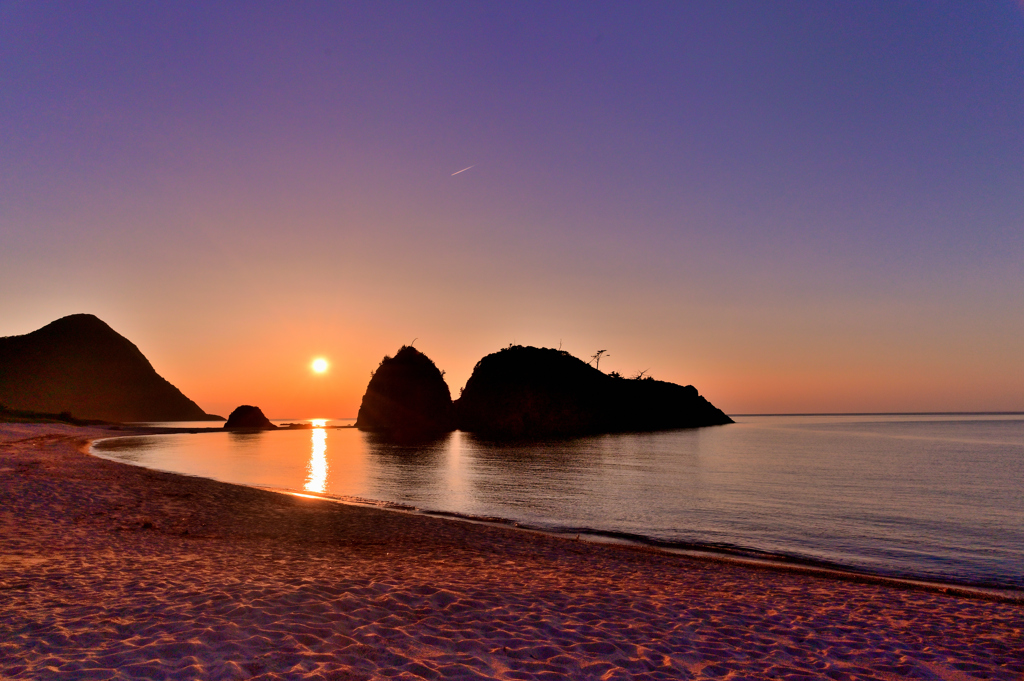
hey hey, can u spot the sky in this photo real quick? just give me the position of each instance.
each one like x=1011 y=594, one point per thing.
x=793 y=206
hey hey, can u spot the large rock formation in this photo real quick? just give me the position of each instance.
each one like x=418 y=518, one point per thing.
x=248 y=416
x=406 y=397
x=527 y=392
x=80 y=365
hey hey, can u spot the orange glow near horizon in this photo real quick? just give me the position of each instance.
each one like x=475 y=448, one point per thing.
x=794 y=252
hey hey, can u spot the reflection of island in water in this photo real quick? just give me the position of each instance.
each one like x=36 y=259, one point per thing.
x=416 y=467
x=411 y=470
x=525 y=393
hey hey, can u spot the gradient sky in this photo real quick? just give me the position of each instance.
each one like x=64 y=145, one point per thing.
x=794 y=206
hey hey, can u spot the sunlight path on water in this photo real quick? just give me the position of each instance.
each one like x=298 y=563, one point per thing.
x=316 y=480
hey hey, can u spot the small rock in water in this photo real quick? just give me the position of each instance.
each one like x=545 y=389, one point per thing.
x=248 y=416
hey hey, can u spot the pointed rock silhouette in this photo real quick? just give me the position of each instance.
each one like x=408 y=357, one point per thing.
x=406 y=397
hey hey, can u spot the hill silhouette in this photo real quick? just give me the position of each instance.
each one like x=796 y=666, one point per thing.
x=79 y=365
x=406 y=397
x=528 y=392
x=248 y=416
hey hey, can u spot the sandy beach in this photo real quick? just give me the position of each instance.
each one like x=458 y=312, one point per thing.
x=113 y=571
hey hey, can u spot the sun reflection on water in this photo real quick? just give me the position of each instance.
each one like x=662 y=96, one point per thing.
x=316 y=470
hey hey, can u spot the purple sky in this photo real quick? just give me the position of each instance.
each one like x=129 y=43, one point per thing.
x=793 y=206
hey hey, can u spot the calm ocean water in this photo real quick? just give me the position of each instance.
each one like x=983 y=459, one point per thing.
x=935 y=496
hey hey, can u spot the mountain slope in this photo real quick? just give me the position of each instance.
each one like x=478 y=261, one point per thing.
x=78 y=364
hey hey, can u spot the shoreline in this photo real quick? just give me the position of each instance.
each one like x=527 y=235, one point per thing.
x=743 y=557
x=118 y=571
x=727 y=554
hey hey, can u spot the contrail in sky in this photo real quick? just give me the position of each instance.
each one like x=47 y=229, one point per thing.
x=462 y=171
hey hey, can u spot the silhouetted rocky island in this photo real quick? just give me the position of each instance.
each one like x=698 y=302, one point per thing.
x=78 y=365
x=527 y=392
x=249 y=417
x=406 y=397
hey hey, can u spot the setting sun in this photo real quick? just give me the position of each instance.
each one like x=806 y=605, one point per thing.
x=320 y=365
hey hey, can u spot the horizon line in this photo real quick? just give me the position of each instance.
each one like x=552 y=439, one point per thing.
x=795 y=413
x=884 y=413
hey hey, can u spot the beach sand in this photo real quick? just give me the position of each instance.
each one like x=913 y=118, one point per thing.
x=113 y=571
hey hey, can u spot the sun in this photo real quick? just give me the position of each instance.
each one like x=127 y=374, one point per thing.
x=319 y=365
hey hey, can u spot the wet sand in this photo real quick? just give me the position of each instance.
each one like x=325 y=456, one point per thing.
x=113 y=571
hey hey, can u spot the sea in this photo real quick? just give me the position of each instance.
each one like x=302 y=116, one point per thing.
x=937 y=497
